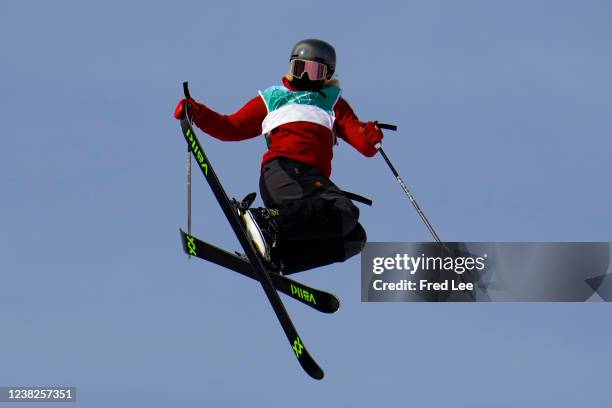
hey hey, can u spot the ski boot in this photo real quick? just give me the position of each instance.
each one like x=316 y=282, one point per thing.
x=262 y=228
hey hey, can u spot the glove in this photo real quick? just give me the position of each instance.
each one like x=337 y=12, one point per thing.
x=372 y=134
x=194 y=108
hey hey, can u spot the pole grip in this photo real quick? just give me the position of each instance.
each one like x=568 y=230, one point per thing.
x=386 y=126
x=186 y=90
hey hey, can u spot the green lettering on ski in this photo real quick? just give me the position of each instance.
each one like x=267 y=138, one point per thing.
x=303 y=294
x=298 y=348
x=197 y=152
x=191 y=246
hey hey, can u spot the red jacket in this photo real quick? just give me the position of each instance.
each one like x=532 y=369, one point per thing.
x=305 y=142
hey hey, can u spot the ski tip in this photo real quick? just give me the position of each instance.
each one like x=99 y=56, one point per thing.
x=332 y=305
x=336 y=304
x=313 y=370
x=185 y=237
x=318 y=375
x=305 y=359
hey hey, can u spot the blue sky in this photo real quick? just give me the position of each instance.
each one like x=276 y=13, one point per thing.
x=505 y=116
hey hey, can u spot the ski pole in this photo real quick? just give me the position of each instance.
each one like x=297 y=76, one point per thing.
x=412 y=199
x=186 y=91
x=188 y=191
x=378 y=146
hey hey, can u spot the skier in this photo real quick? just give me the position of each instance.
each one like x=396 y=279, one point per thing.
x=308 y=221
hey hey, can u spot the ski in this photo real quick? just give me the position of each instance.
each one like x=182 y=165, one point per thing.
x=317 y=299
x=301 y=353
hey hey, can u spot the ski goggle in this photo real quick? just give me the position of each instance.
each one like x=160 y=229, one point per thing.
x=315 y=70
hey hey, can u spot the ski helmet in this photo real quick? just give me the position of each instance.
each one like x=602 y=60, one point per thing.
x=317 y=51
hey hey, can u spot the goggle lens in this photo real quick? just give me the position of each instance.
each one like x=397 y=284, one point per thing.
x=315 y=70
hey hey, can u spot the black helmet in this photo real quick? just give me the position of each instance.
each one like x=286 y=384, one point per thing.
x=316 y=50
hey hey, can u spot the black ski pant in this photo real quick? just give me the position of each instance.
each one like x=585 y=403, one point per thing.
x=318 y=224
